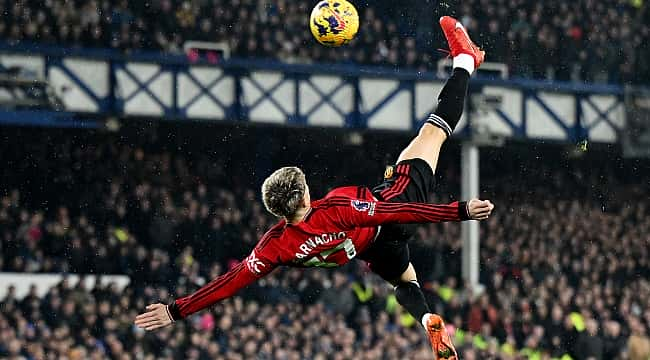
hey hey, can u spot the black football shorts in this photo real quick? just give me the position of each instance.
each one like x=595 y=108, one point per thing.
x=409 y=181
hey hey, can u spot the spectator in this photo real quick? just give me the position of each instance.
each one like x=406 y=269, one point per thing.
x=589 y=345
x=105 y=194
x=613 y=341
x=338 y=298
x=638 y=343
x=580 y=40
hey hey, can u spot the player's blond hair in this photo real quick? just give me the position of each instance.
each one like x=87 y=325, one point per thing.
x=283 y=191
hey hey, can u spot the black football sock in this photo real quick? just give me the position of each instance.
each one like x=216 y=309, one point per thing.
x=410 y=296
x=451 y=102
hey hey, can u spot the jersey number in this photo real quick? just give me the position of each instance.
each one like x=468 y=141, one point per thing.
x=320 y=259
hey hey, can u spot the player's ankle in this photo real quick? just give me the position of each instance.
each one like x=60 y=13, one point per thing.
x=425 y=319
x=464 y=61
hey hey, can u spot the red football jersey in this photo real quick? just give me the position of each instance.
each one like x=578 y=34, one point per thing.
x=337 y=228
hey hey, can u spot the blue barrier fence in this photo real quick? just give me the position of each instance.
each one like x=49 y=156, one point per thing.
x=166 y=86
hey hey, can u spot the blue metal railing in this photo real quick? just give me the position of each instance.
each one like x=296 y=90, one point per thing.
x=162 y=99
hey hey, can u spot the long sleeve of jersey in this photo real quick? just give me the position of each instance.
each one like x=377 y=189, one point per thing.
x=222 y=287
x=353 y=213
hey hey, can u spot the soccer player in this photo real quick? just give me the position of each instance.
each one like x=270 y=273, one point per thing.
x=373 y=225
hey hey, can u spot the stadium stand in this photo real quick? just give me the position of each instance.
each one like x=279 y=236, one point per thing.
x=565 y=261
x=585 y=40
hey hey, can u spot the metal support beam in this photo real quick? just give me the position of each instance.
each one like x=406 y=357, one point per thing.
x=470 y=229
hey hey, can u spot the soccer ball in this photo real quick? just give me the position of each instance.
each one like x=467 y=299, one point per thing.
x=334 y=22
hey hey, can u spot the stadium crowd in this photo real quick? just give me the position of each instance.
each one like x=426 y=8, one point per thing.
x=584 y=40
x=565 y=262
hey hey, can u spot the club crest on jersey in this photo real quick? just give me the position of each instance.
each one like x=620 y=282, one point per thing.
x=390 y=170
x=254 y=264
x=364 y=206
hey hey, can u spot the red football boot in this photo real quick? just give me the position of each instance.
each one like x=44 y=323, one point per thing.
x=440 y=341
x=459 y=41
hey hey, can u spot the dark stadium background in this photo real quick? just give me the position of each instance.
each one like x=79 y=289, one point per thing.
x=565 y=259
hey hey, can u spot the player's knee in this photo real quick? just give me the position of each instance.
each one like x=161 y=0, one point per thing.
x=430 y=131
x=409 y=275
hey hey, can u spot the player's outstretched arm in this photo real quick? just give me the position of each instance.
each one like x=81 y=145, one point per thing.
x=374 y=213
x=224 y=286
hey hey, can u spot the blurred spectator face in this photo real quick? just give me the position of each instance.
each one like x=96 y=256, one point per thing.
x=469 y=354
x=613 y=328
x=557 y=313
x=592 y=327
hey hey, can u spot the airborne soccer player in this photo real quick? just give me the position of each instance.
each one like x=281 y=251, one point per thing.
x=370 y=224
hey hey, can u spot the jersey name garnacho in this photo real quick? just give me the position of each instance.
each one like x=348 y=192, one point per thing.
x=322 y=239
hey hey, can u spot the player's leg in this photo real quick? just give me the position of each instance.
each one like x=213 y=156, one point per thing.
x=426 y=146
x=411 y=180
x=410 y=296
x=427 y=143
x=408 y=292
x=388 y=257
x=451 y=101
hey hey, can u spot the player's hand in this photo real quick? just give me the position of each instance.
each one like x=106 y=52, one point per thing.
x=157 y=316
x=479 y=209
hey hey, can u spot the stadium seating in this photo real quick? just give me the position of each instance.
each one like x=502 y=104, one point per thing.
x=562 y=275
x=585 y=40
x=565 y=259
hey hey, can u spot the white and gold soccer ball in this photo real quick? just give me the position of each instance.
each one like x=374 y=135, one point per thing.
x=334 y=22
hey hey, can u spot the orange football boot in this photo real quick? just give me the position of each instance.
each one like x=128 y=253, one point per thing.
x=459 y=41
x=440 y=341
